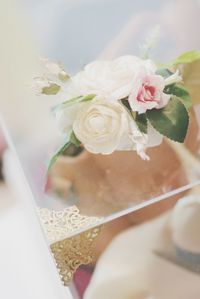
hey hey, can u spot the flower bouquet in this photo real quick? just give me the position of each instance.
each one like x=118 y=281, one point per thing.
x=113 y=108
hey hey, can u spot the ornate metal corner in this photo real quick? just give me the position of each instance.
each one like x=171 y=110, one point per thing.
x=69 y=251
x=73 y=252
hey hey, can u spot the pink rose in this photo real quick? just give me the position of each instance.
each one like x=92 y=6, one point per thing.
x=147 y=93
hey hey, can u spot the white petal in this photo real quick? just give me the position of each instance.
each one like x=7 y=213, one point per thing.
x=175 y=78
x=39 y=83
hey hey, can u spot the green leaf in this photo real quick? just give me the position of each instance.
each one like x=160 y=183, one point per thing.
x=52 y=89
x=73 y=101
x=141 y=121
x=191 y=80
x=126 y=104
x=181 y=92
x=171 y=121
x=187 y=57
x=165 y=73
x=88 y=98
x=79 y=99
x=74 y=140
x=59 y=152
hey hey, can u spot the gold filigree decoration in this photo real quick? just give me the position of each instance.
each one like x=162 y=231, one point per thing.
x=69 y=251
x=72 y=252
x=61 y=224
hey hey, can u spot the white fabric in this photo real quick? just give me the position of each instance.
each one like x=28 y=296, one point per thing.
x=186 y=223
x=27 y=269
x=130 y=270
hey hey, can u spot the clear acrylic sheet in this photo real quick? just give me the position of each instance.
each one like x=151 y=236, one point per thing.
x=74 y=33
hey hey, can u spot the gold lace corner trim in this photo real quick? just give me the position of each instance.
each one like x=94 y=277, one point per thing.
x=73 y=252
x=69 y=251
x=61 y=224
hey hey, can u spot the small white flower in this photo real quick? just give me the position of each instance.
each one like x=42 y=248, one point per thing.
x=54 y=70
x=53 y=80
x=147 y=92
x=51 y=67
x=39 y=83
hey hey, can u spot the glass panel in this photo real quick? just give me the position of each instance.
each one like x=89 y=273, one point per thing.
x=76 y=32
x=146 y=254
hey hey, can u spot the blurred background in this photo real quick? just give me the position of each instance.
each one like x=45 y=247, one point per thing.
x=76 y=32
x=73 y=32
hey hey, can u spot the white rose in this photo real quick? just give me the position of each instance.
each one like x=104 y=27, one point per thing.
x=100 y=126
x=112 y=79
x=104 y=127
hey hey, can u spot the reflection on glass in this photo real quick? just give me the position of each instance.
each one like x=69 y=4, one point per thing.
x=99 y=185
